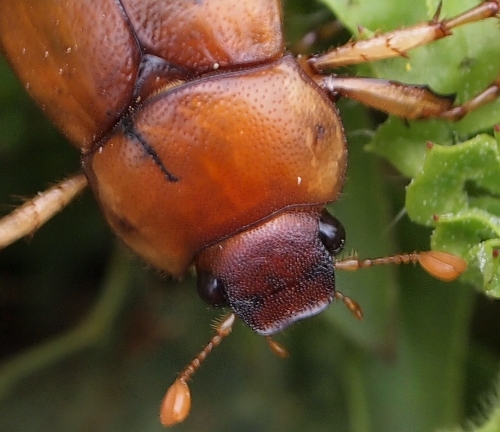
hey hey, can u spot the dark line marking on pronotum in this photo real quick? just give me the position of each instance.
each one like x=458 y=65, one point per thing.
x=129 y=129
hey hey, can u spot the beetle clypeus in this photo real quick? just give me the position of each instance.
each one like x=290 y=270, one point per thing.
x=237 y=146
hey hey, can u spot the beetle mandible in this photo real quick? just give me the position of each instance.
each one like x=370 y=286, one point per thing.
x=213 y=146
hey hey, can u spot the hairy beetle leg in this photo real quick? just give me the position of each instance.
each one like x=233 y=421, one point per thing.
x=398 y=42
x=30 y=216
x=404 y=100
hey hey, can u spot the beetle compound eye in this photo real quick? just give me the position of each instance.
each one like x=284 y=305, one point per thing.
x=211 y=289
x=331 y=233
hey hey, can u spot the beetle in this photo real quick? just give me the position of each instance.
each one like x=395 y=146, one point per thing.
x=263 y=243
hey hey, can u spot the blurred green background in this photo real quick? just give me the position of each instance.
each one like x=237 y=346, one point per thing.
x=91 y=337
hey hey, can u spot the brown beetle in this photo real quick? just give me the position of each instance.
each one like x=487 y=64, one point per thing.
x=211 y=146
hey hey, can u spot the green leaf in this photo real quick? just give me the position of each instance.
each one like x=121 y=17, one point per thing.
x=460 y=65
x=423 y=387
x=457 y=192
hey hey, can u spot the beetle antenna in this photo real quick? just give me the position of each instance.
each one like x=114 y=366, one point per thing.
x=442 y=265
x=277 y=348
x=351 y=304
x=177 y=401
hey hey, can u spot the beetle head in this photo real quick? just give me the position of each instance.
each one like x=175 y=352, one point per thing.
x=274 y=273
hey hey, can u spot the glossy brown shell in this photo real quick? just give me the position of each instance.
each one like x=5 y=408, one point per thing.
x=192 y=124
x=238 y=146
x=80 y=59
x=202 y=142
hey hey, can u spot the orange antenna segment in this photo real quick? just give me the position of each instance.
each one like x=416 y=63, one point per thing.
x=277 y=348
x=176 y=404
x=442 y=265
x=351 y=304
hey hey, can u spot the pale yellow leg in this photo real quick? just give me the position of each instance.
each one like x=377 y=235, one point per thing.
x=30 y=216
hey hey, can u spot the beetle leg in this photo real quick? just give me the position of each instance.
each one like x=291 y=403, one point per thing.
x=30 y=216
x=398 y=42
x=486 y=96
x=404 y=100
